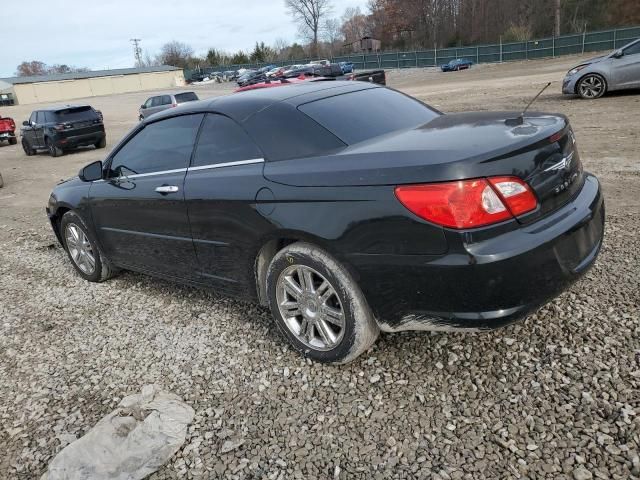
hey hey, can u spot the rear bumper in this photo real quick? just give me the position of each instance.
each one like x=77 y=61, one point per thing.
x=79 y=140
x=489 y=283
x=5 y=135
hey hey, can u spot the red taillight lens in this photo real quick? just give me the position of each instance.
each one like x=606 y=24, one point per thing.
x=468 y=203
x=515 y=193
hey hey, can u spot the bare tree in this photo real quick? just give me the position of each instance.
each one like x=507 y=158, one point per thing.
x=176 y=54
x=309 y=14
x=36 y=67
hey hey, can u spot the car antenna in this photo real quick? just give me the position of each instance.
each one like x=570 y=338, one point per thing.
x=519 y=120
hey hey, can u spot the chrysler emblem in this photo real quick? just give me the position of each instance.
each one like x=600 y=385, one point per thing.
x=564 y=164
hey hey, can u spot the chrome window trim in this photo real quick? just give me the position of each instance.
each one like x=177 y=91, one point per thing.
x=190 y=169
x=227 y=164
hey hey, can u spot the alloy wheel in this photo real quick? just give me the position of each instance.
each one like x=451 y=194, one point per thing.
x=310 y=307
x=80 y=249
x=591 y=87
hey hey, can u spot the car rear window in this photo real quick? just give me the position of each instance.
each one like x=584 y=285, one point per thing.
x=186 y=97
x=357 y=116
x=77 y=114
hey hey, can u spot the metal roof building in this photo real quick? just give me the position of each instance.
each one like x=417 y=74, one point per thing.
x=67 y=86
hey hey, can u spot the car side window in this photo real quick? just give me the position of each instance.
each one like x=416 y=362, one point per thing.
x=156 y=101
x=166 y=100
x=222 y=140
x=160 y=146
x=32 y=118
x=633 y=49
x=148 y=102
x=40 y=120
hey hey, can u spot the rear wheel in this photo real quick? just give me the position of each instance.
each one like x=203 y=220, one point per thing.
x=102 y=143
x=27 y=148
x=13 y=141
x=53 y=150
x=592 y=86
x=318 y=306
x=83 y=250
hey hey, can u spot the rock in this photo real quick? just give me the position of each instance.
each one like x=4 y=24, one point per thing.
x=582 y=473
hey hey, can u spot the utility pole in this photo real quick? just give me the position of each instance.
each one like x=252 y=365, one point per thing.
x=556 y=32
x=137 y=51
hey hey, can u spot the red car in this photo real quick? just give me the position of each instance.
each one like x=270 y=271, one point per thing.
x=275 y=83
x=8 y=130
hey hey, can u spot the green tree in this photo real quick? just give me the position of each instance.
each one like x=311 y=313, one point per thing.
x=262 y=53
x=238 y=58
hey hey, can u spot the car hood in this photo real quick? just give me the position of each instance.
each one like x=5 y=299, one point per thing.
x=450 y=147
x=594 y=60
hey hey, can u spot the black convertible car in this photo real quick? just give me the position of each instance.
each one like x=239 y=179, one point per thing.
x=346 y=207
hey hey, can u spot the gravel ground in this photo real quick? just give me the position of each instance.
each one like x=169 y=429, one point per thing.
x=556 y=396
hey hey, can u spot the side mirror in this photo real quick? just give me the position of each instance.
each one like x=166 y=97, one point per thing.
x=618 y=54
x=143 y=106
x=26 y=123
x=91 y=172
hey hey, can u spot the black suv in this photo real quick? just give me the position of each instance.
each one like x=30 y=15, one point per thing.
x=58 y=129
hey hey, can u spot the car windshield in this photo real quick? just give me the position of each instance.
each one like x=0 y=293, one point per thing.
x=186 y=97
x=358 y=116
x=75 y=114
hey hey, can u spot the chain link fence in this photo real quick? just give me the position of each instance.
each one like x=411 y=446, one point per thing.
x=502 y=52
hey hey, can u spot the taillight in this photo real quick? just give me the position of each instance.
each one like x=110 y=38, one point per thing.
x=516 y=194
x=468 y=203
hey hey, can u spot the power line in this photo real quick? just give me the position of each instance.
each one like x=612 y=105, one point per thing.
x=137 y=50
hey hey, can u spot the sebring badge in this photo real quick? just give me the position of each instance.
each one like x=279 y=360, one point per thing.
x=564 y=164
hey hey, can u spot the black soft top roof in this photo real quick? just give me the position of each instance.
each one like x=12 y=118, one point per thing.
x=242 y=105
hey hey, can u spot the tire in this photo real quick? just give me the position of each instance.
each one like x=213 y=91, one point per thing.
x=1 y=181
x=27 y=148
x=101 y=268
x=53 y=150
x=102 y=143
x=13 y=141
x=328 y=337
x=591 y=86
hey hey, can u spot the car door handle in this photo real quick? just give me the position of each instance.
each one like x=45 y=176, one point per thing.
x=164 y=189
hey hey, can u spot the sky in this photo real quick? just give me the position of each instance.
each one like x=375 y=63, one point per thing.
x=96 y=33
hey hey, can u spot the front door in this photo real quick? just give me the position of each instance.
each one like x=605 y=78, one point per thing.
x=38 y=130
x=627 y=67
x=29 y=133
x=139 y=209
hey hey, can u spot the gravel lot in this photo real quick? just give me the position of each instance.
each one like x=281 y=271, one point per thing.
x=556 y=396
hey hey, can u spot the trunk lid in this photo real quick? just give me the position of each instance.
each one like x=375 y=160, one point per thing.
x=453 y=147
x=79 y=121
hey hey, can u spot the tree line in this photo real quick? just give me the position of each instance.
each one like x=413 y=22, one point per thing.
x=400 y=25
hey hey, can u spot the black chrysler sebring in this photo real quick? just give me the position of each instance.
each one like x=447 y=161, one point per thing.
x=346 y=207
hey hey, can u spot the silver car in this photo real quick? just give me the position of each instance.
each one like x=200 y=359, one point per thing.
x=162 y=102
x=619 y=70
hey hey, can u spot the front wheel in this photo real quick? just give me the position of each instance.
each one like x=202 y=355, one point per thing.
x=318 y=306
x=27 y=148
x=592 y=86
x=83 y=250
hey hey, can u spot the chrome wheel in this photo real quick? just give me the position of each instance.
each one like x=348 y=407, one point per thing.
x=310 y=307
x=592 y=87
x=80 y=249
